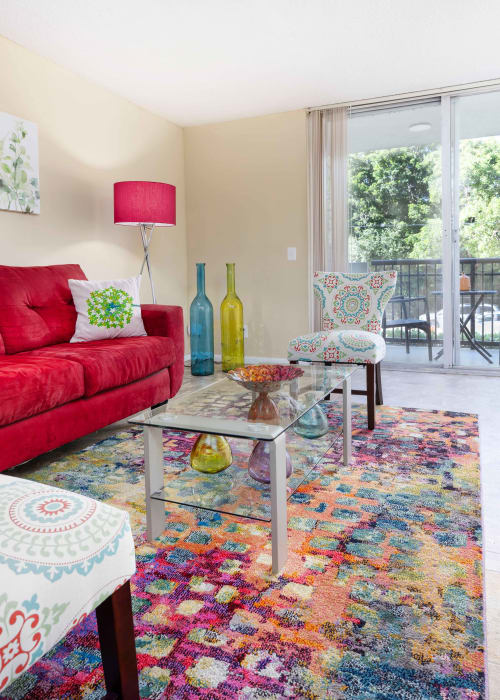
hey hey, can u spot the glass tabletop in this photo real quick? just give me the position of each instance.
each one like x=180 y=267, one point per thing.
x=225 y=407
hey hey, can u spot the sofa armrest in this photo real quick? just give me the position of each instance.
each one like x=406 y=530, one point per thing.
x=167 y=321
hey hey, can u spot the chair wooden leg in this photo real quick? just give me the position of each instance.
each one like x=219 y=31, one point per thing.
x=116 y=636
x=379 y=397
x=370 y=395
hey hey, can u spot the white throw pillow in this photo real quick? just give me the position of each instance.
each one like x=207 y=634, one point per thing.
x=106 y=309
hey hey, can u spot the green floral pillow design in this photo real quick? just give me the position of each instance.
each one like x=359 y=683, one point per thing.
x=110 y=308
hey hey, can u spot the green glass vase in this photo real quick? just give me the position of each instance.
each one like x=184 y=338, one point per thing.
x=211 y=454
x=231 y=321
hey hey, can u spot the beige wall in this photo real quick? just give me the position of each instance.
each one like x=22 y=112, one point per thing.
x=246 y=203
x=90 y=138
x=246 y=186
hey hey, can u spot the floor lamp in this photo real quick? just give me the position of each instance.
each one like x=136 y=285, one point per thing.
x=145 y=204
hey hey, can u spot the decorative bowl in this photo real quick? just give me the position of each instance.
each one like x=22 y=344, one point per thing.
x=264 y=378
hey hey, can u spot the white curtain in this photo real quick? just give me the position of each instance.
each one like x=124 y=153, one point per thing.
x=327 y=195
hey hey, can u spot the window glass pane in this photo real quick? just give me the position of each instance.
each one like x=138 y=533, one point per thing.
x=477 y=129
x=395 y=221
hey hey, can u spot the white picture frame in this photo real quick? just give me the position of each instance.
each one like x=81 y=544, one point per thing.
x=19 y=173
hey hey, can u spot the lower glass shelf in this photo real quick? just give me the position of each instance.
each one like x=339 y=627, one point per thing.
x=234 y=491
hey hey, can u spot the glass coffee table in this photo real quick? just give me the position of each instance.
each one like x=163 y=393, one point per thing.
x=221 y=407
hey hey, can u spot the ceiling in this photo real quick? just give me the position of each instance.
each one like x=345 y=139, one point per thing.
x=475 y=116
x=202 y=61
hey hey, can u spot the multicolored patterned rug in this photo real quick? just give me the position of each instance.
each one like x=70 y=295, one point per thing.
x=381 y=597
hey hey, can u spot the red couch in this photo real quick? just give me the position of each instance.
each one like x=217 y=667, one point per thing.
x=53 y=391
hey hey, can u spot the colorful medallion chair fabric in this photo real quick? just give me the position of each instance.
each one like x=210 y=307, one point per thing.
x=338 y=346
x=354 y=300
x=352 y=307
x=61 y=555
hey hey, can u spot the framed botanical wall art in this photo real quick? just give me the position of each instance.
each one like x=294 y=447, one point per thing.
x=19 y=177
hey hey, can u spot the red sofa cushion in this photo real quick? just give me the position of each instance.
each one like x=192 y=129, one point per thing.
x=31 y=385
x=36 y=306
x=111 y=363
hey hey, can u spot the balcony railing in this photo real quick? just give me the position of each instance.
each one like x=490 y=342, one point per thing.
x=424 y=278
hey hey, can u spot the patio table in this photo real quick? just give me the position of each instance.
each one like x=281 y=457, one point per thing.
x=477 y=298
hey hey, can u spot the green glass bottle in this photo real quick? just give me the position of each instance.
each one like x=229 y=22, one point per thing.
x=231 y=322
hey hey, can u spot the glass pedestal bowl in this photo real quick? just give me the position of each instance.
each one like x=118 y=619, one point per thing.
x=262 y=380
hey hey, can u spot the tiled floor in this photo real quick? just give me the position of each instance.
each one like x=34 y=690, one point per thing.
x=454 y=392
x=418 y=355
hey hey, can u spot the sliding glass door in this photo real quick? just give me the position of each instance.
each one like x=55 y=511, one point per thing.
x=424 y=199
x=395 y=220
x=477 y=210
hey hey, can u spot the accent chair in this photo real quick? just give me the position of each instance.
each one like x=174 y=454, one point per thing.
x=352 y=307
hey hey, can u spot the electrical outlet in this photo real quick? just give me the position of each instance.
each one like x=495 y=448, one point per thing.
x=292 y=253
x=245 y=331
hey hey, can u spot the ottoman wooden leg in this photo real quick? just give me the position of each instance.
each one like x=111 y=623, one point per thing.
x=116 y=636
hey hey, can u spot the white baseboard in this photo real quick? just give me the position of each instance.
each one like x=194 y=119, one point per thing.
x=249 y=359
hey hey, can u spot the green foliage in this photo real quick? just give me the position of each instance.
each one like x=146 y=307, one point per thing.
x=480 y=198
x=390 y=199
x=18 y=191
x=395 y=202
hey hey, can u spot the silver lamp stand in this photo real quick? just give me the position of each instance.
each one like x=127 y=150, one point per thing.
x=146 y=235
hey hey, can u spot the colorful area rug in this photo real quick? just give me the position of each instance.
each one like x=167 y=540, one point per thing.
x=381 y=597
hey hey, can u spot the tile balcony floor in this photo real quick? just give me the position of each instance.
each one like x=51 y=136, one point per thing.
x=418 y=355
x=427 y=390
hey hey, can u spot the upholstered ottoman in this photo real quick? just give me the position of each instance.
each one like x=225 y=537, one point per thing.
x=63 y=555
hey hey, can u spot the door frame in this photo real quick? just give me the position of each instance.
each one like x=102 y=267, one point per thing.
x=450 y=235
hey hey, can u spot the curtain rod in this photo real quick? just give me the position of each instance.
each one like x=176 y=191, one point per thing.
x=457 y=89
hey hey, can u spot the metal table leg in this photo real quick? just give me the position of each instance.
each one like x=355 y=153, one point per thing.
x=347 y=420
x=278 y=503
x=153 y=473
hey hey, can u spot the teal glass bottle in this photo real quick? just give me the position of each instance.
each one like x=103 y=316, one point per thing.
x=201 y=322
x=312 y=424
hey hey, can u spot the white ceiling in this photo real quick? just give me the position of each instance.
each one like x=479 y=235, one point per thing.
x=475 y=116
x=201 y=61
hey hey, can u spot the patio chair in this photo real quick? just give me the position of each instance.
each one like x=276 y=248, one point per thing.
x=352 y=306
x=408 y=322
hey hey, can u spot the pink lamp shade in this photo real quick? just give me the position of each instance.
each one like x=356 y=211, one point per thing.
x=140 y=202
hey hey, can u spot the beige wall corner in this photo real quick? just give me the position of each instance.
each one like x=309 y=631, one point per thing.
x=246 y=203
x=90 y=138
